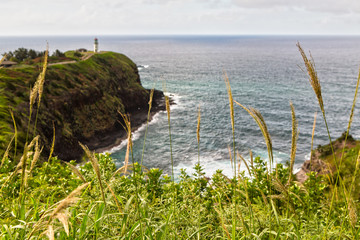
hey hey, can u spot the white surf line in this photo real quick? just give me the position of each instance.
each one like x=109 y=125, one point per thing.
x=138 y=132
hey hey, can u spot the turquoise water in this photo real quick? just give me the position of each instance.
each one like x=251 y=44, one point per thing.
x=265 y=73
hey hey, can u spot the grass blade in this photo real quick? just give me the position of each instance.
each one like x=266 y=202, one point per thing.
x=52 y=143
x=294 y=137
x=95 y=166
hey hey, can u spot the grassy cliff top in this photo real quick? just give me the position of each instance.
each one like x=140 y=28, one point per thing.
x=346 y=154
x=80 y=97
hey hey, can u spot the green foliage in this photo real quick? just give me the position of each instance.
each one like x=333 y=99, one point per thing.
x=204 y=206
x=85 y=95
x=73 y=55
x=58 y=53
x=22 y=54
x=59 y=200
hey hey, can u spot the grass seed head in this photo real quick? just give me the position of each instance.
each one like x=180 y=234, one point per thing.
x=3 y=59
x=295 y=135
x=256 y=115
x=41 y=77
x=50 y=233
x=312 y=137
x=231 y=101
x=92 y=159
x=354 y=101
x=263 y=126
x=64 y=219
x=36 y=155
x=313 y=77
x=151 y=98
x=68 y=201
x=246 y=164
x=33 y=94
x=52 y=143
x=76 y=171
x=35 y=139
x=6 y=154
x=96 y=167
x=126 y=162
x=251 y=158
x=352 y=212
x=198 y=126
x=127 y=128
x=167 y=103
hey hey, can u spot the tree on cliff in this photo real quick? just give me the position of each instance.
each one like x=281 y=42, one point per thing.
x=22 y=54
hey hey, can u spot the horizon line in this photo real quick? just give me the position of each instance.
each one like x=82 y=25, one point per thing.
x=184 y=35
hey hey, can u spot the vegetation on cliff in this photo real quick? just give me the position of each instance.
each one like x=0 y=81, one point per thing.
x=56 y=200
x=29 y=57
x=81 y=100
x=322 y=162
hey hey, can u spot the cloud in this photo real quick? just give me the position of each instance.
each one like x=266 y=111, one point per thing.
x=333 y=6
x=180 y=17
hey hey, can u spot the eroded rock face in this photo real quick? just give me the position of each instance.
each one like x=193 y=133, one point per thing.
x=319 y=162
x=82 y=101
x=316 y=165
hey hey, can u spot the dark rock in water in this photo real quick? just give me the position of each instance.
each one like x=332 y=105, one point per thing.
x=82 y=100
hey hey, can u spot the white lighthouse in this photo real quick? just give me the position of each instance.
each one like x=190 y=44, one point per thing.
x=96 y=45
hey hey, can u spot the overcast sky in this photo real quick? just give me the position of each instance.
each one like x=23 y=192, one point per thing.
x=148 y=17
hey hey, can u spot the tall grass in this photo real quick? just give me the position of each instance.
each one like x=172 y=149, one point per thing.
x=57 y=200
x=36 y=93
x=2 y=59
x=315 y=83
x=15 y=133
x=40 y=86
x=294 y=137
x=167 y=104
x=147 y=125
x=198 y=133
x=96 y=167
x=350 y=120
x=232 y=159
x=312 y=140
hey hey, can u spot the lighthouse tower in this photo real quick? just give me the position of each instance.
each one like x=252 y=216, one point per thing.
x=96 y=45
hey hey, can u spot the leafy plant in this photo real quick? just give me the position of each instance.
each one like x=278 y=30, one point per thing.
x=61 y=200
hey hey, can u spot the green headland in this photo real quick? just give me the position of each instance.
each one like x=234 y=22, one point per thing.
x=83 y=95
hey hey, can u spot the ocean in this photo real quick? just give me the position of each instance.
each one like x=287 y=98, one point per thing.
x=265 y=72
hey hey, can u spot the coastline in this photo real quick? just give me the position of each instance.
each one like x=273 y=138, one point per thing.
x=138 y=118
x=322 y=161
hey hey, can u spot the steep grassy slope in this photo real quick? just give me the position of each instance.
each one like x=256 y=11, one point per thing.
x=82 y=100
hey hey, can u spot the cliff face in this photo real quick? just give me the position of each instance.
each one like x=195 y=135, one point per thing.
x=323 y=163
x=81 y=100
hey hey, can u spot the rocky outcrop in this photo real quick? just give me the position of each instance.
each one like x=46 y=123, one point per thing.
x=322 y=158
x=316 y=165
